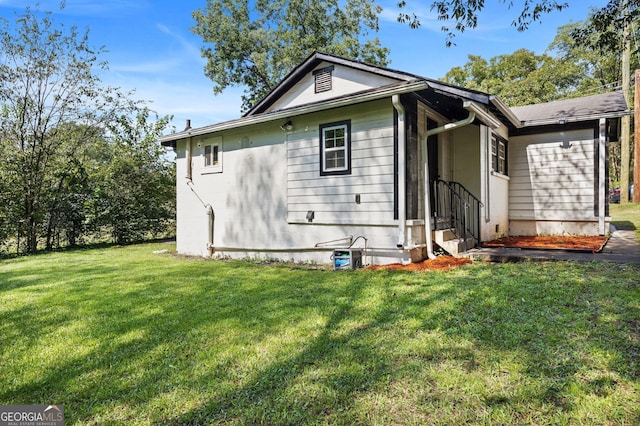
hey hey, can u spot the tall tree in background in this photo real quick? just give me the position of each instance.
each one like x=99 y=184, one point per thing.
x=520 y=78
x=53 y=111
x=256 y=47
x=461 y=15
x=612 y=29
x=133 y=181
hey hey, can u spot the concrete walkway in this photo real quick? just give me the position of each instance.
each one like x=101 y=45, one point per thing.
x=622 y=247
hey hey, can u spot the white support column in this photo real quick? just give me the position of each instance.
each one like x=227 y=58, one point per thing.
x=602 y=157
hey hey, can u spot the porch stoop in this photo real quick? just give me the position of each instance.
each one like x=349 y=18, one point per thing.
x=453 y=245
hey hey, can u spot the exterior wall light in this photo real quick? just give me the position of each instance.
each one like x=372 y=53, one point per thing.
x=288 y=126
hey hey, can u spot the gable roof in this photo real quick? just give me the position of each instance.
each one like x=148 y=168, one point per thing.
x=608 y=105
x=317 y=58
x=309 y=64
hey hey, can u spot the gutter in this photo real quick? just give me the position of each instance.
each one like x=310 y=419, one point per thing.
x=384 y=92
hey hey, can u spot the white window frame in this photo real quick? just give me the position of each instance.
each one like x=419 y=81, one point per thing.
x=212 y=160
x=499 y=153
x=345 y=148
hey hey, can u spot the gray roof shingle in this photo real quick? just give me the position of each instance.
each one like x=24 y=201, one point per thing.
x=578 y=109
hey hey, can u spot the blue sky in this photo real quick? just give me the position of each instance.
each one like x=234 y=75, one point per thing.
x=151 y=49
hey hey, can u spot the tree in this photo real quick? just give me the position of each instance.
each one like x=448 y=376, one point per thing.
x=134 y=181
x=520 y=78
x=54 y=112
x=611 y=29
x=256 y=48
x=46 y=82
x=463 y=14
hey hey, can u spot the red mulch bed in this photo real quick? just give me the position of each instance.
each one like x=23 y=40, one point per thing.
x=552 y=242
x=440 y=263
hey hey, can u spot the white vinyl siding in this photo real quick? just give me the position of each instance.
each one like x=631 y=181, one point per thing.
x=552 y=176
x=333 y=198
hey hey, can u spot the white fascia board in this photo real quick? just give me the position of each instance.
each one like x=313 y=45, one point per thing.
x=484 y=116
x=381 y=93
x=506 y=111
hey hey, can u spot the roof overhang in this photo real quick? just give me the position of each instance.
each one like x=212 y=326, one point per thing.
x=365 y=96
x=575 y=119
x=504 y=110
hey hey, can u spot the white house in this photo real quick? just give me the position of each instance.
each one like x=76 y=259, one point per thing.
x=344 y=153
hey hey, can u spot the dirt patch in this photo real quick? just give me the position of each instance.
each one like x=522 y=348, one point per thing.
x=551 y=242
x=440 y=263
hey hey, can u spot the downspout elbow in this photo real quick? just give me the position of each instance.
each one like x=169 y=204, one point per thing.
x=210 y=227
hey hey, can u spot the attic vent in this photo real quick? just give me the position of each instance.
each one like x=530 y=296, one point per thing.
x=323 y=79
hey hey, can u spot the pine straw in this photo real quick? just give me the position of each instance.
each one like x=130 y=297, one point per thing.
x=557 y=242
x=440 y=263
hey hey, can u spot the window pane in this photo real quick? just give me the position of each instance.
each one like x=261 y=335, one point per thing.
x=215 y=155
x=339 y=142
x=207 y=155
x=335 y=159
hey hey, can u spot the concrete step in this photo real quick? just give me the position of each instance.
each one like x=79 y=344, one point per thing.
x=446 y=240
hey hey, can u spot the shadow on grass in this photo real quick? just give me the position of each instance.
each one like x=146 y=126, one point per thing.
x=208 y=337
x=625 y=225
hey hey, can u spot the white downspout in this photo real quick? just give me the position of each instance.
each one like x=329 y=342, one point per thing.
x=402 y=205
x=211 y=222
x=189 y=176
x=427 y=190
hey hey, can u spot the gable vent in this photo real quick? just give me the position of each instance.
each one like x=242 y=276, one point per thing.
x=323 y=79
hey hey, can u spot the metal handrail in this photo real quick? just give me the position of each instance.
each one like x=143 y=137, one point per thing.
x=454 y=203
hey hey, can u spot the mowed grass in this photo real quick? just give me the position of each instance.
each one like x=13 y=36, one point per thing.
x=626 y=216
x=124 y=336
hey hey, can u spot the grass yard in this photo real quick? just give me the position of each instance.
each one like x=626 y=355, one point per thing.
x=124 y=336
x=626 y=216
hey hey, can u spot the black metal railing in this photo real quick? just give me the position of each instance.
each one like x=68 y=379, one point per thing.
x=457 y=209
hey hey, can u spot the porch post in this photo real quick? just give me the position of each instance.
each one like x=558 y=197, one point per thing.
x=602 y=158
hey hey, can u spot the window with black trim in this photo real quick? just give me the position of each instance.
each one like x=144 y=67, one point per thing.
x=499 y=155
x=323 y=79
x=335 y=148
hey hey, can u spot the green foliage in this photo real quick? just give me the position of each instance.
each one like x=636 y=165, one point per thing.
x=463 y=14
x=605 y=28
x=135 y=186
x=257 y=46
x=520 y=78
x=53 y=112
x=123 y=336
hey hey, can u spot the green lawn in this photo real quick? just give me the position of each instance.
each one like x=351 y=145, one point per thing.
x=124 y=336
x=626 y=215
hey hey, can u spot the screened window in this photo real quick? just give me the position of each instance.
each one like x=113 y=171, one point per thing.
x=499 y=155
x=335 y=148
